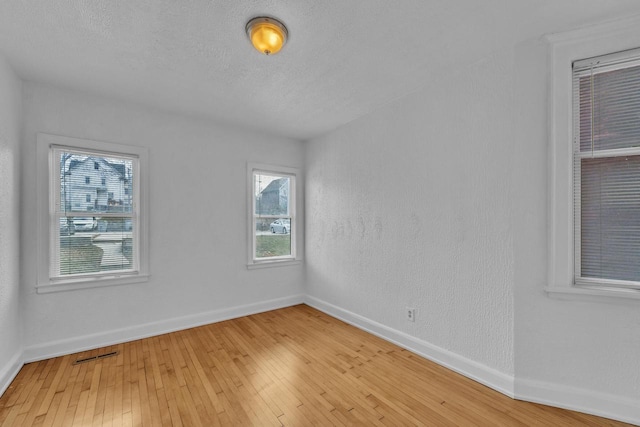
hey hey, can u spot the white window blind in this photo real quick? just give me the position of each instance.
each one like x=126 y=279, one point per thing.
x=606 y=156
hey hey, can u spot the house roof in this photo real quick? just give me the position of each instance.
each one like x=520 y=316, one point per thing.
x=118 y=168
x=273 y=186
x=343 y=59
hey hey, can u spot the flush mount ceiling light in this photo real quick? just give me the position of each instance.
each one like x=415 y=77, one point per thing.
x=267 y=35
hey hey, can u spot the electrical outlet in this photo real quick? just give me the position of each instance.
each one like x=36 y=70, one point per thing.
x=411 y=314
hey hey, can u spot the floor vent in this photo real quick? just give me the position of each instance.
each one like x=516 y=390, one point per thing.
x=98 y=357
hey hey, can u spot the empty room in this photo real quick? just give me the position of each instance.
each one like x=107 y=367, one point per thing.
x=328 y=213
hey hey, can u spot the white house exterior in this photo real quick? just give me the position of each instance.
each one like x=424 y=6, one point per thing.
x=94 y=184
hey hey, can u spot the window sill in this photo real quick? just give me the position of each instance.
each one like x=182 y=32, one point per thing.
x=582 y=293
x=72 y=285
x=269 y=264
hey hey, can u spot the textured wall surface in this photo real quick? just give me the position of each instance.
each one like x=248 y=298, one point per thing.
x=411 y=207
x=10 y=321
x=566 y=345
x=439 y=202
x=198 y=196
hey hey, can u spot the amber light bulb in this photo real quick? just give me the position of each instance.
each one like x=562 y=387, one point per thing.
x=267 y=35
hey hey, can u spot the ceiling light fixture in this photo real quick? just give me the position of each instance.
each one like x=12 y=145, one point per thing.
x=267 y=35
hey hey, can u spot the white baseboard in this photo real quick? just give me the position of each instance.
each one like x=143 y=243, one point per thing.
x=483 y=374
x=10 y=371
x=74 y=345
x=578 y=399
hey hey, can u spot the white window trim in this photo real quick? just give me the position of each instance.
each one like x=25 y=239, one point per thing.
x=564 y=49
x=44 y=283
x=295 y=258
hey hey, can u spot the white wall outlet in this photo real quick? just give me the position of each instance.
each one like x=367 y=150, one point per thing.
x=411 y=314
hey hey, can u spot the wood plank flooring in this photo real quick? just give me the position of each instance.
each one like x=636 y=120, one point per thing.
x=293 y=367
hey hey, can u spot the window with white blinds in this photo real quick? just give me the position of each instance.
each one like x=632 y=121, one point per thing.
x=92 y=210
x=606 y=159
x=94 y=213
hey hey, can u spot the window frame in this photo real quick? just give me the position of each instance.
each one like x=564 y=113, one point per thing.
x=46 y=187
x=564 y=50
x=294 y=174
x=611 y=62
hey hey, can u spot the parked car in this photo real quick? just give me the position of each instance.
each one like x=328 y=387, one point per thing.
x=114 y=224
x=281 y=226
x=67 y=228
x=85 y=223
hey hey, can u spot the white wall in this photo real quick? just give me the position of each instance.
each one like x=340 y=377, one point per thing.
x=411 y=207
x=10 y=320
x=579 y=353
x=198 y=229
x=439 y=202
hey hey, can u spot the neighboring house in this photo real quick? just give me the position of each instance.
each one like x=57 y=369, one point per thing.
x=94 y=184
x=274 y=199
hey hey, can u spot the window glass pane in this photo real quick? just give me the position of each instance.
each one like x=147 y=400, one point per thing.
x=584 y=105
x=94 y=244
x=85 y=187
x=610 y=218
x=615 y=101
x=273 y=237
x=101 y=239
x=271 y=194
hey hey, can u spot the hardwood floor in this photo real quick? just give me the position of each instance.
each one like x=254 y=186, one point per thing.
x=295 y=366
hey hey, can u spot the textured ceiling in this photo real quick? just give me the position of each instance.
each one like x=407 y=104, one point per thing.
x=344 y=58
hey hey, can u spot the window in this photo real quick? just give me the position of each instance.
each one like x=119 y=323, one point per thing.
x=103 y=181
x=606 y=153
x=99 y=243
x=594 y=193
x=272 y=220
x=96 y=166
